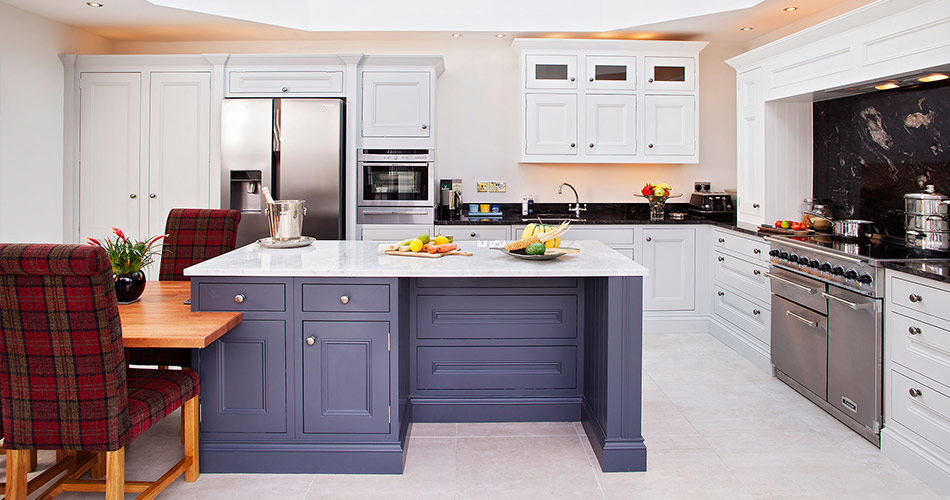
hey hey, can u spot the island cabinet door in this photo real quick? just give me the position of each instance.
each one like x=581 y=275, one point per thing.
x=244 y=379
x=346 y=377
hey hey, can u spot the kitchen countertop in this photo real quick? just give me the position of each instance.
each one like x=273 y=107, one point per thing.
x=936 y=269
x=363 y=258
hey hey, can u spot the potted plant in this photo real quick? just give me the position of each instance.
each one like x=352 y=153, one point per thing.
x=128 y=258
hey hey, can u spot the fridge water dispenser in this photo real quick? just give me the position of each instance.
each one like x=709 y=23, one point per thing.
x=246 y=191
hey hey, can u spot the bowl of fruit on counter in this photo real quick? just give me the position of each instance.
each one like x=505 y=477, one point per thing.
x=657 y=194
x=424 y=246
x=539 y=242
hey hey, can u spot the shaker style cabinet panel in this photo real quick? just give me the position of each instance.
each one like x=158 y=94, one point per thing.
x=396 y=104
x=346 y=377
x=670 y=125
x=750 y=133
x=179 y=144
x=670 y=73
x=670 y=255
x=551 y=124
x=551 y=72
x=611 y=72
x=611 y=124
x=110 y=121
x=244 y=379
x=285 y=82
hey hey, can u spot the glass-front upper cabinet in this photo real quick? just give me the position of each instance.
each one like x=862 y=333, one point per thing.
x=611 y=73
x=550 y=72
x=670 y=73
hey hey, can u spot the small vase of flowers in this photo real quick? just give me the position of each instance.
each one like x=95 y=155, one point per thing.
x=128 y=258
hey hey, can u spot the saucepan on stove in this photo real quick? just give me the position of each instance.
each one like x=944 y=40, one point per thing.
x=855 y=229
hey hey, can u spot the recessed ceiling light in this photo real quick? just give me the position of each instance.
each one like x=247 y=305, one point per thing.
x=936 y=77
x=790 y=9
x=747 y=28
x=887 y=86
x=456 y=35
x=94 y=4
x=500 y=35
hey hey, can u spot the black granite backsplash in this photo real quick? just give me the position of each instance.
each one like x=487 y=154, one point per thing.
x=871 y=149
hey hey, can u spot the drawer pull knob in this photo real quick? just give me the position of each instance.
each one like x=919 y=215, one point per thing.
x=755 y=205
x=472 y=234
x=722 y=240
x=284 y=89
x=239 y=298
x=757 y=251
x=756 y=272
x=915 y=298
x=720 y=293
x=649 y=238
x=914 y=392
x=311 y=340
x=721 y=259
x=344 y=299
x=756 y=312
x=913 y=330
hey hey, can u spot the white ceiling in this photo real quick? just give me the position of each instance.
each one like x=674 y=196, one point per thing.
x=143 y=20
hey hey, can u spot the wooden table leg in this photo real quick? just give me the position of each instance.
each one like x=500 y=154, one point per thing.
x=190 y=413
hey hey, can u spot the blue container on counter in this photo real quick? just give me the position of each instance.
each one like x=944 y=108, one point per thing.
x=473 y=208
x=496 y=209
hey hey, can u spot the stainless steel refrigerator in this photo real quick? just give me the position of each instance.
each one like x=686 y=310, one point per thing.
x=295 y=148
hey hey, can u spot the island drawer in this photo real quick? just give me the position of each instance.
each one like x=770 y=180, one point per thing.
x=496 y=316
x=345 y=298
x=496 y=368
x=241 y=296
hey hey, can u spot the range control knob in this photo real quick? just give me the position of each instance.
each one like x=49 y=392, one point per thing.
x=865 y=278
x=814 y=264
x=803 y=260
x=851 y=274
x=825 y=267
x=783 y=255
x=774 y=253
x=837 y=271
x=793 y=258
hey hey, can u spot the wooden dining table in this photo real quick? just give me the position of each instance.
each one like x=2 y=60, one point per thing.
x=162 y=319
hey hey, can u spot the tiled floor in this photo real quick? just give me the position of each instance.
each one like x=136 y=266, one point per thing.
x=716 y=428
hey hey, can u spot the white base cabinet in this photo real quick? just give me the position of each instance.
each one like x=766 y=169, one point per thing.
x=670 y=255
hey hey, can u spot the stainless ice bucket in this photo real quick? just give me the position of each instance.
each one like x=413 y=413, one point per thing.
x=285 y=219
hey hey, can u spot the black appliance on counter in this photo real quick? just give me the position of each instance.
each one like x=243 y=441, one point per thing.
x=712 y=206
x=450 y=199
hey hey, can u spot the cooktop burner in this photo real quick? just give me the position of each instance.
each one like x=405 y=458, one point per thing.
x=877 y=248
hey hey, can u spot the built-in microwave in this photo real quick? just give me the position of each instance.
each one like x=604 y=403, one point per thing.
x=396 y=178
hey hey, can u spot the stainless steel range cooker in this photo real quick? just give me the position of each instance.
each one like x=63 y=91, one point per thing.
x=827 y=321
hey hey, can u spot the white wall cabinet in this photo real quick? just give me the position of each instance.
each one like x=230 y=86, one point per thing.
x=670 y=255
x=670 y=125
x=609 y=98
x=396 y=104
x=551 y=124
x=750 y=130
x=292 y=83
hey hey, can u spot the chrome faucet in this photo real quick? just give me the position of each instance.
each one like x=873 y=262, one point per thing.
x=577 y=209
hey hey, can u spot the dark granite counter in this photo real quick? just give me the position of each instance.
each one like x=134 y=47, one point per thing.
x=936 y=269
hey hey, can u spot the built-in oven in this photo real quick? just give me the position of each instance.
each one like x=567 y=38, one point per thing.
x=396 y=178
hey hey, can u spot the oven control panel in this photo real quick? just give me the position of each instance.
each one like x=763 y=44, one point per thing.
x=856 y=275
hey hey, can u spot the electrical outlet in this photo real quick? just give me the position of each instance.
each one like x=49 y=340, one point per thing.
x=497 y=187
x=481 y=186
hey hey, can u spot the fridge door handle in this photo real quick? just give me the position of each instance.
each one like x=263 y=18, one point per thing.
x=276 y=129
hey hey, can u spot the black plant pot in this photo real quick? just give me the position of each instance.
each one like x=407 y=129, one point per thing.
x=129 y=287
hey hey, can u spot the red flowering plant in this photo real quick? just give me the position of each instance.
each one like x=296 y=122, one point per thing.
x=128 y=256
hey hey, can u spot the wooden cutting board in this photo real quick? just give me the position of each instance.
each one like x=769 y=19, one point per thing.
x=427 y=255
x=788 y=232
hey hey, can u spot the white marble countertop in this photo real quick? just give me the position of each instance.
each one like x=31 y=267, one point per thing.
x=363 y=258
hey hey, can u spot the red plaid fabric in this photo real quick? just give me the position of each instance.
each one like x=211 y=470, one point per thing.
x=154 y=394
x=63 y=381
x=196 y=235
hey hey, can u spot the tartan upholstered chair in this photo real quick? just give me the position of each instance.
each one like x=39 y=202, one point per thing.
x=194 y=235
x=64 y=384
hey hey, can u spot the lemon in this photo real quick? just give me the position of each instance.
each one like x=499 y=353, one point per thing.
x=441 y=240
x=416 y=245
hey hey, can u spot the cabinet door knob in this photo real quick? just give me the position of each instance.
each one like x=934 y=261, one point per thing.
x=572 y=144
x=424 y=126
x=720 y=293
x=472 y=234
x=650 y=145
x=239 y=298
x=915 y=298
x=721 y=259
x=649 y=238
x=311 y=340
x=755 y=205
x=756 y=312
x=591 y=144
x=591 y=78
x=344 y=299
x=914 y=392
x=133 y=196
x=757 y=251
x=650 y=80
x=572 y=78
x=284 y=89
x=756 y=272
x=152 y=195
x=722 y=240
x=913 y=330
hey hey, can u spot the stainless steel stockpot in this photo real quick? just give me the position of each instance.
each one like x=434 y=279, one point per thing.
x=938 y=241
x=854 y=228
x=926 y=223
x=926 y=202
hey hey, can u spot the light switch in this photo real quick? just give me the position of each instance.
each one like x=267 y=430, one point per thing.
x=497 y=187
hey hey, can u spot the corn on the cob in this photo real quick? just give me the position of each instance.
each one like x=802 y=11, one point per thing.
x=538 y=238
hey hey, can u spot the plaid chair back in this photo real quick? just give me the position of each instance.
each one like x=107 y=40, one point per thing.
x=62 y=366
x=196 y=235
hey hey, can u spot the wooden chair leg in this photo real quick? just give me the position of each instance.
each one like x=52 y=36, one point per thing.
x=182 y=426
x=115 y=474
x=190 y=416
x=32 y=460
x=98 y=470
x=18 y=466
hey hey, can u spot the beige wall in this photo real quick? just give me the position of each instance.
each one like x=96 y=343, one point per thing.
x=479 y=121
x=31 y=122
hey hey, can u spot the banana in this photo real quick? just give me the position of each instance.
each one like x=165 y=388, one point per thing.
x=528 y=231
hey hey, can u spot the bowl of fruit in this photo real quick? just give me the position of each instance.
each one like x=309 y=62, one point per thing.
x=538 y=242
x=657 y=194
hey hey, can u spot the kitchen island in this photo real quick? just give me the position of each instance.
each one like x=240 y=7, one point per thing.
x=342 y=347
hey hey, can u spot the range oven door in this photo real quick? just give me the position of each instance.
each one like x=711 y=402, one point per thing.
x=855 y=348
x=800 y=344
x=408 y=184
